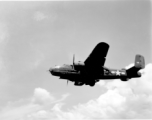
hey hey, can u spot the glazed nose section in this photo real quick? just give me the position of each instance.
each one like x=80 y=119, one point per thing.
x=51 y=70
x=54 y=71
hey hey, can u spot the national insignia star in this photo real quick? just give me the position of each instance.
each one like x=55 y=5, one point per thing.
x=117 y=73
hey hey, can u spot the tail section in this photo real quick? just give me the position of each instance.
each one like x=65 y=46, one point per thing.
x=138 y=64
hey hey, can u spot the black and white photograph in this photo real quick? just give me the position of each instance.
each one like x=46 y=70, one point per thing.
x=75 y=60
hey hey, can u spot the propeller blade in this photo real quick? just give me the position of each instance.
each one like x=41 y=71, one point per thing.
x=73 y=60
x=67 y=82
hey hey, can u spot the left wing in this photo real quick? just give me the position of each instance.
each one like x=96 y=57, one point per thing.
x=97 y=58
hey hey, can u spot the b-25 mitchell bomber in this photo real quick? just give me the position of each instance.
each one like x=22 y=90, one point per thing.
x=92 y=69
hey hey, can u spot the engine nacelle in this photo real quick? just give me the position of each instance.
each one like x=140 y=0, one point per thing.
x=124 y=79
x=78 y=83
x=79 y=65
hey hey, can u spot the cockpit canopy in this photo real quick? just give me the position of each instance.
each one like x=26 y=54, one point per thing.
x=57 y=66
x=63 y=66
x=79 y=63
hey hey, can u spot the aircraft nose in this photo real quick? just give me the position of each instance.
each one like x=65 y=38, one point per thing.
x=53 y=71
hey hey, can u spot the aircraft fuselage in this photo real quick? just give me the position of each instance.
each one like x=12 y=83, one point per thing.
x=68 y=72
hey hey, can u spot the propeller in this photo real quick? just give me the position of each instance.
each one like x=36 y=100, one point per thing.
x=67 y=82
x=73 y=60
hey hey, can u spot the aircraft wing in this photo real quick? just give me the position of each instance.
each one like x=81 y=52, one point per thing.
x=97 y=57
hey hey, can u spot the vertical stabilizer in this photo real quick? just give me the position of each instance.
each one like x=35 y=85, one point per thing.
x=139 y=62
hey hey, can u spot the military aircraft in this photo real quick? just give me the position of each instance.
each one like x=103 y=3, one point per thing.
x=92 y=69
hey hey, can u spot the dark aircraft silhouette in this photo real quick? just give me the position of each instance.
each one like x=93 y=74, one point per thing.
x=92 y=69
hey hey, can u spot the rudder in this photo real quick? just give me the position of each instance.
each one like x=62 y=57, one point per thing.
x=139 y=61
x=138 y=64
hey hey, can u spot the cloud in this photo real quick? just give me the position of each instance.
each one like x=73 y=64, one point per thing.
x=41 y=96
x=4 y=37
x=122 y=100
x=129 y=66
x=38 y=56
x=39 y=16
x=42 y=114
x=34 y=107
x=3 y=32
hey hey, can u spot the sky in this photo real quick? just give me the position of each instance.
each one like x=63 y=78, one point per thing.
x=35 y=36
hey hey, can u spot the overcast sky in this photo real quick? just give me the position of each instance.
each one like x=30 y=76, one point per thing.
x=35 y=36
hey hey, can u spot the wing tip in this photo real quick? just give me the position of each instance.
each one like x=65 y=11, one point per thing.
x=103 y=44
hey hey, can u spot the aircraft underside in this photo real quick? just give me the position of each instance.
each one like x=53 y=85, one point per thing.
x=90 y=79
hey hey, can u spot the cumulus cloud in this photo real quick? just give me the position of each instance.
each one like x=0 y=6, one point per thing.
x=42 y=96
x=31 y=108
x=129 y=66
x=130 y=100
